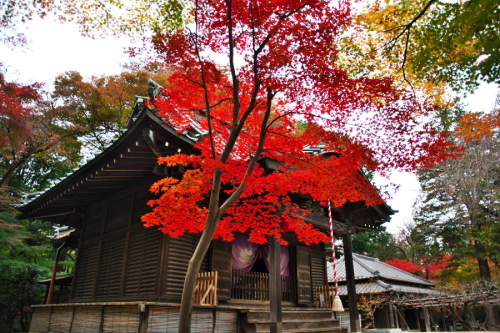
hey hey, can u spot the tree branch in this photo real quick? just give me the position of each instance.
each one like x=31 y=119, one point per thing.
x=408 y=26
x=255 y=158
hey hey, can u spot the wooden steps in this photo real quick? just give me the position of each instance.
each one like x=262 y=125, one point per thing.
x=294 y=321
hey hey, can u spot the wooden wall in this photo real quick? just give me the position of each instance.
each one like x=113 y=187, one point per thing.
x=310 y=271
x=179 y=252
x=120 y=259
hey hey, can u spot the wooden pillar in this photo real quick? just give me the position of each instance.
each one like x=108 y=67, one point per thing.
x=417 y=317
x=427 y=320
x=143 y=310
x=390 y=309
x=275 y=286
x=52 y=284
x=351 y=285
x=396 y=316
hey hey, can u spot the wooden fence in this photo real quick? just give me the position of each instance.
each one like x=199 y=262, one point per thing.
x=324 y=296
x=255 y=286
x=206 y=289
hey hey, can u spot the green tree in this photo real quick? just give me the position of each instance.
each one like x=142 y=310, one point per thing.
x=460 y=208
x=17 y=291
x=26 y=256
x=377 y=244
x=456 y=42
x=96 y=17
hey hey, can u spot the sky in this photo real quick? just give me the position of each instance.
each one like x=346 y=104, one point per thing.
x=55 y=48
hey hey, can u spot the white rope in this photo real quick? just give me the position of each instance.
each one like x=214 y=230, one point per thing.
x=336 y=302
x=332 y=236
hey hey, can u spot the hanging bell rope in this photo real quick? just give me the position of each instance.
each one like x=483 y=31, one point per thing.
x=337 y=303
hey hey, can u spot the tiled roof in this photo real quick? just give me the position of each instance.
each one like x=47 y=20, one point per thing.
x=414 y=290
x=367 y=267
x=364 y=288
x=379 y=287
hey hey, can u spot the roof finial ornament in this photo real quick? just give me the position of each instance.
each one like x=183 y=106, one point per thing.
x=155 y=90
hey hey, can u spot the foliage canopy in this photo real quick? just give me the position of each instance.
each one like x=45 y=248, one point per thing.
x=245 y=74
x=279 y=69
x=456 y=42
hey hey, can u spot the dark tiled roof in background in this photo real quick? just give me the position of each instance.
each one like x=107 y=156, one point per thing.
x=379 y=287
x=372 y=268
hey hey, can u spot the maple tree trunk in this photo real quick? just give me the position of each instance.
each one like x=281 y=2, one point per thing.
x=198 y=255
x=191 y=275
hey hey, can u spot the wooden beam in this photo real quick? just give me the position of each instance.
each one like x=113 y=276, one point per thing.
x=275 y=313
x=427 y=320
x=351 y=285
x=149 y=137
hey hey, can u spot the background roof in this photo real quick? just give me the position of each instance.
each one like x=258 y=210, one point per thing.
x=372 y=268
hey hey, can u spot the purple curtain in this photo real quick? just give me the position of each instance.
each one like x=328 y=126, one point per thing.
x=245 y=254
x=284 y=259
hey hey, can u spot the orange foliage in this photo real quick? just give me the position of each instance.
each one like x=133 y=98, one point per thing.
x=475 y=125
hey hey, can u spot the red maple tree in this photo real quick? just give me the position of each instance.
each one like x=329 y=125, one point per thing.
x=259 y=79
x=17 y=104
x=424 y=267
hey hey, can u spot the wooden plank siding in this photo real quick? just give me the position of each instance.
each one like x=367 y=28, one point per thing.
x=120 y=259
x=180 y=251
x=110 y=268
x=303 y=276
x=318 y=269
x=311 y=272
x=143 y=262
x=85 y=272
x=220 y=261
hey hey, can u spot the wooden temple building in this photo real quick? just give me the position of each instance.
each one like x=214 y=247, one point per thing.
x=129 y=278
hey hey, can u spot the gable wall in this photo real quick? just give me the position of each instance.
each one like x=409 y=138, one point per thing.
x=121 y=260
x=118 y=257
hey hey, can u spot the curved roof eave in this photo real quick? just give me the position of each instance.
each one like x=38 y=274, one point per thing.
x=103 y=162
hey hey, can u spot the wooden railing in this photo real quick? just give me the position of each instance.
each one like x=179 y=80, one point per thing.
x=324 y=296
x=206 y=289
x=255 y=286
